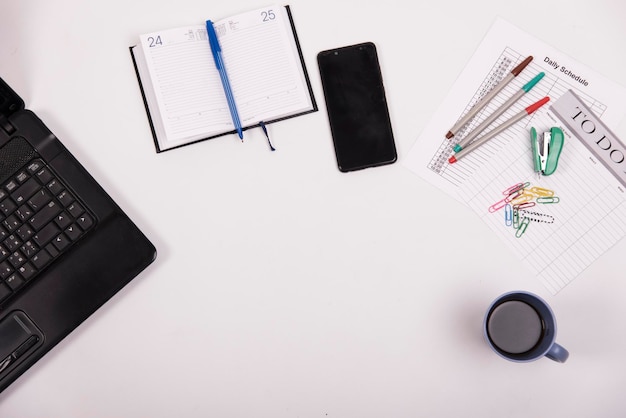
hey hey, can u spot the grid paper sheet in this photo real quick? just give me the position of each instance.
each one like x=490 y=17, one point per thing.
x=591 y=214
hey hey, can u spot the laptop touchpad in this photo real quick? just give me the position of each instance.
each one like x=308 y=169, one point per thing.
x=18 y=337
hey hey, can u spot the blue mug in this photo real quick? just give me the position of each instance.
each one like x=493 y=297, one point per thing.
x=521 y=327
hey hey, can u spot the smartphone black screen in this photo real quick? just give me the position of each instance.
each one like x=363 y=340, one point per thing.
x=357 y=107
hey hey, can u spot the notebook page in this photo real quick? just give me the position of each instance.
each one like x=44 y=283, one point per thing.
x=263 y=65
x=590 y=216
x=186 y=85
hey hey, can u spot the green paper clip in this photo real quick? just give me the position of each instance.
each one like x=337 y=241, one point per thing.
x=522 y=227
x=546 y=150
x=548 y=199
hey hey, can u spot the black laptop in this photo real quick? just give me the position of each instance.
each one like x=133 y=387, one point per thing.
x=65 y=246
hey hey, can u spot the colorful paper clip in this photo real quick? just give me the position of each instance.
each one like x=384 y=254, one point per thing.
x=537 y=217
x=541 y=191
x=508 y=215
x=522 y=227
x=548 y=199
x=524 y=205
x=515 y=188
x=502 y=203
x=518 y=199
x=498 y=205
x=523 y=198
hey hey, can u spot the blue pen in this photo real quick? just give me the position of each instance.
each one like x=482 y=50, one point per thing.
x=219 y=63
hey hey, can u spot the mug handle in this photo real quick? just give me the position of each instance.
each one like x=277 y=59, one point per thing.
x=557 y=353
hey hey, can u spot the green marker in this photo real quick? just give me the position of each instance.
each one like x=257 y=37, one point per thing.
x=472 y=135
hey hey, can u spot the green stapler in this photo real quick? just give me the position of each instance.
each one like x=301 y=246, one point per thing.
x=546 y=150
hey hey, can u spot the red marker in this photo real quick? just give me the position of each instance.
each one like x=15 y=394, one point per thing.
x=496 y=131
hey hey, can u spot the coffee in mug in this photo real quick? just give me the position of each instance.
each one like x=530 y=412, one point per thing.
x=520 y=326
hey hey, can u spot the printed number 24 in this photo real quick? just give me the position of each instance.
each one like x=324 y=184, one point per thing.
x=267 y=16
x=152 y=42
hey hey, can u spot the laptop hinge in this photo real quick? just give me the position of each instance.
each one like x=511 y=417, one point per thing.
x=6 y=125
x=10 y=102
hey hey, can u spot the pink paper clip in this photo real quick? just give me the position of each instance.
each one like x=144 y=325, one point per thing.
x=515 y=188
x=502 y=203
x=514 y=195
x=498 y=205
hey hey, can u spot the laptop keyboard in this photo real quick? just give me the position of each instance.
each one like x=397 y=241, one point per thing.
x=40 y=219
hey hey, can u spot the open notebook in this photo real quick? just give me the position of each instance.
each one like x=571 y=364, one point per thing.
x=182 y=89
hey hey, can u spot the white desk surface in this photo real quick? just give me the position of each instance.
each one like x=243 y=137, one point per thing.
x=284 y=288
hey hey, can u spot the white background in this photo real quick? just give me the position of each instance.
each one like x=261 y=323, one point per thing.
x=284 y=288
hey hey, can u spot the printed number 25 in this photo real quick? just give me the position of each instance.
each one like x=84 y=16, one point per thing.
x=269 y=15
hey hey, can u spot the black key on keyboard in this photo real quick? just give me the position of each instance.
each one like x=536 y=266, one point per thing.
x=40 y=199
x=45 y=215
x=25 y=191
x=46 y=234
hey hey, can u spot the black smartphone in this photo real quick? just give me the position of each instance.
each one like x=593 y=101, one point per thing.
x=357 y=107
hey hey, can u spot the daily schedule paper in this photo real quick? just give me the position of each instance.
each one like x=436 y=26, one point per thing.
x=587 y=214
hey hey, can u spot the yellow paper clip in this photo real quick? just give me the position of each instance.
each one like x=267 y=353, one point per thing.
x=522 y=199
x=540 y=191
x=522 y=227
x=548 y=199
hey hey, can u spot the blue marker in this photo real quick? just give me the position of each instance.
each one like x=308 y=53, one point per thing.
x=219 y=63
